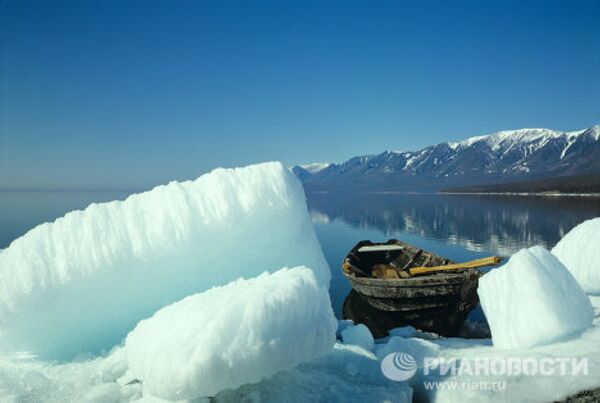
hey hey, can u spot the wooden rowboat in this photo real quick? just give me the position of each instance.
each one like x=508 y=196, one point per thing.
x=413 y=285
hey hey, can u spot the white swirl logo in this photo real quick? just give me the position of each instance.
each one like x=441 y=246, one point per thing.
x=399 y=366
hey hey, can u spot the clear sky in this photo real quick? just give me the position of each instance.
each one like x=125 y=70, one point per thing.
x=126 y=94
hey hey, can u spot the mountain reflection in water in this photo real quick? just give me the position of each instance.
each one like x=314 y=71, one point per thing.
x=480 y=223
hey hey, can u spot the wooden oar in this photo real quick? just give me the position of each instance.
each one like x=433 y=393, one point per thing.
x=488 y=261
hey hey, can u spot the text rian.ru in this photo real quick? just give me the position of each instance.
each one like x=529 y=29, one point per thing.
x=493 y=386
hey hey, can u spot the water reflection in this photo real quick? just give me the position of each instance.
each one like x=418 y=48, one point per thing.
x=496 y=224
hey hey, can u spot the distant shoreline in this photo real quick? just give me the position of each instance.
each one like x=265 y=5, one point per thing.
x=575 y=185
x=538 y=194
x=452 y=193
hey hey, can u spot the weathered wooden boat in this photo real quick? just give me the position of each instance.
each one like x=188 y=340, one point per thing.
x=408 y=285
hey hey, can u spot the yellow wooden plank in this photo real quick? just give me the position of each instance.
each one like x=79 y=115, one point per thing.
x=488 y=261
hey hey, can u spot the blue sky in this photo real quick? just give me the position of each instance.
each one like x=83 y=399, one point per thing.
x=128 y=94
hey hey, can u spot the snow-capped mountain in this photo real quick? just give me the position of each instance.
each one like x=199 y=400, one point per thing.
x=315 y=167
x=505 y=156
x=305 y=171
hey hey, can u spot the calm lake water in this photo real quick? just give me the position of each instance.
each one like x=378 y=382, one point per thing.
x=460 y=227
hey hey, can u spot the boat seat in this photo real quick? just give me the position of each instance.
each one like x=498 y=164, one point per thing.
x=380 y=248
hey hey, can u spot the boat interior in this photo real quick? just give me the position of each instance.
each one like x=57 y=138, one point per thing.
x=386 y=260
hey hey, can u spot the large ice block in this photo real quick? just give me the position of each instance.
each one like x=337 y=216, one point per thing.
x=533 y=300
x=81 y=283
x=579 y=251
x=232 y=335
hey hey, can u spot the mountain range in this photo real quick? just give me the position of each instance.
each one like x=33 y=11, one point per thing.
x=502 y=157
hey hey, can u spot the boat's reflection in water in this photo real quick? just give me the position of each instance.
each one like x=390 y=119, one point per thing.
x=439 y=321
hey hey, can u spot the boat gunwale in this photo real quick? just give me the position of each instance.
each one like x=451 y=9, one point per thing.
x=459 y=276
x=416 y=281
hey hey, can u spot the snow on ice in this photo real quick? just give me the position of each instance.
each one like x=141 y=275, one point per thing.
x=81 y=283
x=579 y=251
x=418 y=348
x=524 y=386
x=232 y=335
x=345 y=374
x=343 y=324
x=404 y=331
x=359 y=335
x=27 y=380
x=533 y=300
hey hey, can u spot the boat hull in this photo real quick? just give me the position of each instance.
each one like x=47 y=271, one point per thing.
x=419 y=293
